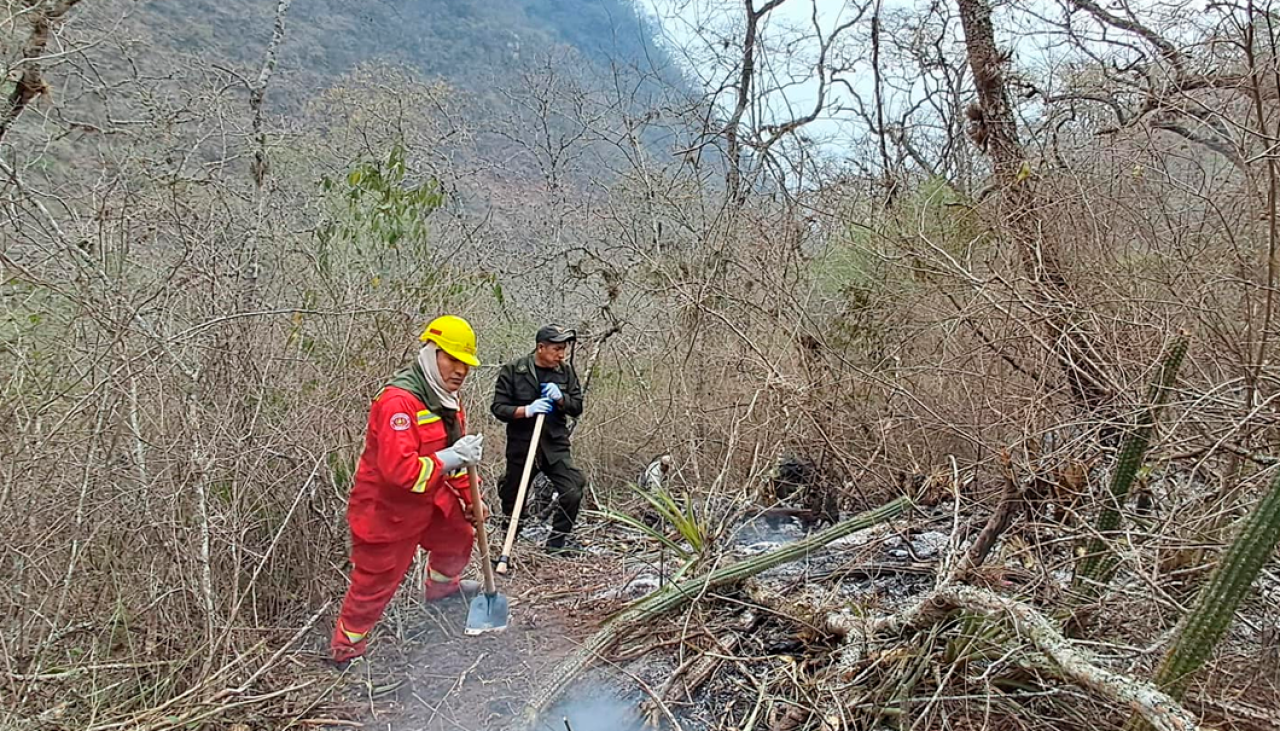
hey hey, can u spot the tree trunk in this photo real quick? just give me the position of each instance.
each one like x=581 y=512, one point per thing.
x=994 y=129
x=734 y=193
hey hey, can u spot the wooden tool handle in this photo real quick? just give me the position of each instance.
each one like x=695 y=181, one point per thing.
x=481 y=537
x=514 y=526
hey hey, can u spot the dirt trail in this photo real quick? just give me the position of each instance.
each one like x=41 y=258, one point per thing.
x=423 y=674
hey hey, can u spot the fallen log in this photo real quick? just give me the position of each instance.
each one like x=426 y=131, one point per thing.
x=674 y=596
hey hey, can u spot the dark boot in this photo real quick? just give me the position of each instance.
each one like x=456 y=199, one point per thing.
x=562 y=544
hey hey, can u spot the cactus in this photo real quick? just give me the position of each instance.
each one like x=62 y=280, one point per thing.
x=1216 y=605
x=1098 y=564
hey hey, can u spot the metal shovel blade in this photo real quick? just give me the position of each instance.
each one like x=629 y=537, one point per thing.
x=488 y=613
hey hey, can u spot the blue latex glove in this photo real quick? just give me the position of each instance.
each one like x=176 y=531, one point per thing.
x=541 y=406
x=551 y=391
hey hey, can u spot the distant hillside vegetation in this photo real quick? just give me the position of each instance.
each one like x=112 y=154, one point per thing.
x=467 y=42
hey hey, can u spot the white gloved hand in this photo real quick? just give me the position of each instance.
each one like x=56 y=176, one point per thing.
x=470 y=448
x=465 y=451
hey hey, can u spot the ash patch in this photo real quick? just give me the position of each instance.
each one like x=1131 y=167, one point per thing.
x=766 y=533
x=604 y=705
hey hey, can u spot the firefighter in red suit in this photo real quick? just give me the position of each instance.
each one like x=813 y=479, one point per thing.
x=411 y=486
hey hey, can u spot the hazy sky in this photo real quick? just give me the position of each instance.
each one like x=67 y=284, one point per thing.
x=1022 y=26
x=690 y=24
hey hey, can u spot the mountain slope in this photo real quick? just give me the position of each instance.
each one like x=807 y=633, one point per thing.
x=471 y=43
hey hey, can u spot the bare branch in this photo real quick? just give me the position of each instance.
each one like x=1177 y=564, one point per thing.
x=1154 y=705
x=1167 y=49
x=31 y=83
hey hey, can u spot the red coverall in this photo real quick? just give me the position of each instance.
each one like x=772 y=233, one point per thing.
x=401 y=499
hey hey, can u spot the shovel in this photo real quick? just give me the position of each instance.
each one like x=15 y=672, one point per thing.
x=488 y=611
x=514 y=526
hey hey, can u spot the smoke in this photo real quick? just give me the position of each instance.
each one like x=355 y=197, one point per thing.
x=767 y=533
x=594 y=706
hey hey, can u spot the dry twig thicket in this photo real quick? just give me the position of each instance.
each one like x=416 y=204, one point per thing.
x=199 y=291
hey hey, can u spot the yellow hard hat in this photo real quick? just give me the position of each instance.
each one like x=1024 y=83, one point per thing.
x=454 y=336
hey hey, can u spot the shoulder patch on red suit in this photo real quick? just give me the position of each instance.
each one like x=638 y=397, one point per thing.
x=400 y=421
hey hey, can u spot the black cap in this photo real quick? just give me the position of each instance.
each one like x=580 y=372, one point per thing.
x=555 y=334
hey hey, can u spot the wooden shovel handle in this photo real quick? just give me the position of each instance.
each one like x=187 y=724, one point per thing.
x=514 y=526
x=481 y=536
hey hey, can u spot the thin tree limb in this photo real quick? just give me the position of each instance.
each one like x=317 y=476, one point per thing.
x=257 y=96
x=1167 y=49
x=31 y=84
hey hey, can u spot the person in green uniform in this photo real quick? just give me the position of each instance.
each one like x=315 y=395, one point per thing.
x=542 y=382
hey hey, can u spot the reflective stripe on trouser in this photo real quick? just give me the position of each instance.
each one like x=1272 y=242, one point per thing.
x=352 y=637
x=442 y=583
x=378 y=568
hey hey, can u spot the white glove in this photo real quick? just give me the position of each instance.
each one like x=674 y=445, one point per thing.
x=465 y=451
